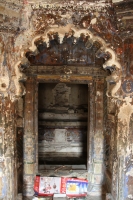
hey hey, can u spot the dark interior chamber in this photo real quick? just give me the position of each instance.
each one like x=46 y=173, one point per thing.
x=62 y=125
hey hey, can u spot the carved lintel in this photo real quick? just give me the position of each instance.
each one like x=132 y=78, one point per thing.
x=90 y=70
x=65 y=78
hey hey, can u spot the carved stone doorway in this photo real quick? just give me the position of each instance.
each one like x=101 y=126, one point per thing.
x=95 y=139
x=66 y=56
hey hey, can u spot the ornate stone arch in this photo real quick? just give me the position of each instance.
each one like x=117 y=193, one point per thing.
x=103 y=51
x=104 y=48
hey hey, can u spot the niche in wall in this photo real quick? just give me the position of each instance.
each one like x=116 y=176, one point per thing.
x=62 y=130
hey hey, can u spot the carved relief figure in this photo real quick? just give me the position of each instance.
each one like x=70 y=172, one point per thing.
x=116 y=80
x=61 y=95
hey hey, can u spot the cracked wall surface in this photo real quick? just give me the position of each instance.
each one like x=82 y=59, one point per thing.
x=109 y=23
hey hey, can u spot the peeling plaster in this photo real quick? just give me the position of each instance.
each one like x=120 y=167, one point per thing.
x=125 y=112
x=24 y=34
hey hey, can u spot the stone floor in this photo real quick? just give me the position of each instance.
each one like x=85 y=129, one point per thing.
x=64 y=198
x=96 y=198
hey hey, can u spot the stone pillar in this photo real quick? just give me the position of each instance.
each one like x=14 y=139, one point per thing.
x=91 y=119
x=29 y=142
x=96 y=139
x=36 y=124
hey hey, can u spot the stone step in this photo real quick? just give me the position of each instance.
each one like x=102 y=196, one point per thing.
x=65 y=198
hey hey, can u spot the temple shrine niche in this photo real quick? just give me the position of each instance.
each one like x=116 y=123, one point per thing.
x=63 y=117
x=67 y=95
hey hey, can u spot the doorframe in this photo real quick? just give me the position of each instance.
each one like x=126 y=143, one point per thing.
x=93 y=83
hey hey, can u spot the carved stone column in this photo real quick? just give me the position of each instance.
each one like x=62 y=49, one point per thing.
x=36 y=124
x=29 y=138
x=91 y=119
x=96 y=139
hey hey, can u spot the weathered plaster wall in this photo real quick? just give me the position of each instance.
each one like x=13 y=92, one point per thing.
x=23 y=23
x=8 y=142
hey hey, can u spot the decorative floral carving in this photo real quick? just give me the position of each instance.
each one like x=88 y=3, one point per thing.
x=68 y=50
